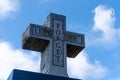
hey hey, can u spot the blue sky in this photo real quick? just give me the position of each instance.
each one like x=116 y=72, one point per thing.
x=99 y=20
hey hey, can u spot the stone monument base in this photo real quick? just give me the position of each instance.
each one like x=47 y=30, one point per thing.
x=26 y=75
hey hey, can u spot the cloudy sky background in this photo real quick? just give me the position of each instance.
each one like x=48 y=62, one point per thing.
x=98 y=20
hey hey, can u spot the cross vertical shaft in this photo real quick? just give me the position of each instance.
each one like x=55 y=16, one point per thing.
x=57 y=55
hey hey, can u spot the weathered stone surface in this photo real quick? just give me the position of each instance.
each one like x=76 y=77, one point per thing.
x=26 y=75
x=75 y=43
x=54 y=42
x=36 y=37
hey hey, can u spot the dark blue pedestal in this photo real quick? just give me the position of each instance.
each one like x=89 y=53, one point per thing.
x=26 y=75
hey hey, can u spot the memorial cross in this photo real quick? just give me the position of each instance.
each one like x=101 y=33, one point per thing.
x=54 y=42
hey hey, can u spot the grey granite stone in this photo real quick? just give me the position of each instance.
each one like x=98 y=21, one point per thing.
x=26 y=75
x=54 y=42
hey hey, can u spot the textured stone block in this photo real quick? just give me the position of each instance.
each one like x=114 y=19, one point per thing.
x=25 y=75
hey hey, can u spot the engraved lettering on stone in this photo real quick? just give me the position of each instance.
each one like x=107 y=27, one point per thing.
x=37 y=31
x=58 y=51
x=57 y=32
x=73 y=38
x=58 y=45
x=58 y=59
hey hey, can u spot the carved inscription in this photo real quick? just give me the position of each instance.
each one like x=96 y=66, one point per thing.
x=58 y=55
x=74 y=38
x=38 y=31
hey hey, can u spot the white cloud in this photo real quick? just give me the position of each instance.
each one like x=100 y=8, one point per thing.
x=81 y=68
x=11 y=58
x=104 y=26
x=104 y=19
x=8 y=8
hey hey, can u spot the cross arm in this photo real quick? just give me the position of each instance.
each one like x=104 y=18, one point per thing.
x=75 y=43
x=36 y=37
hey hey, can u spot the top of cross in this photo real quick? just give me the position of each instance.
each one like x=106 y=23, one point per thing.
x=53 y=16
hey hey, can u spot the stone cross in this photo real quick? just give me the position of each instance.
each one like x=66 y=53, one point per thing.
x=54 y=42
